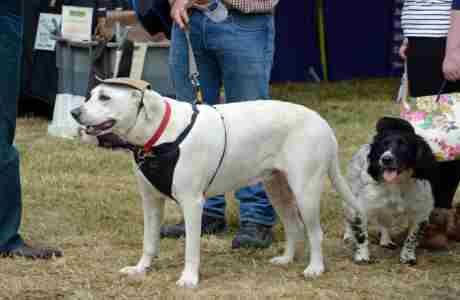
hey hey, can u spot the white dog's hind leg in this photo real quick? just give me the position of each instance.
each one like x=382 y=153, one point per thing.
x=384 y=222
x=285 y=205
x=385 y=238
x=192 y=208
x=153 y=206
x=308 y=195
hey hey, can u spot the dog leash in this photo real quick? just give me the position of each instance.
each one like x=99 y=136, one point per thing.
x=193 y=73
x=194 y=76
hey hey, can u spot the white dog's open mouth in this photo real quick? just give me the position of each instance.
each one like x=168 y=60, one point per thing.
x=391 y=175
x=100 y=128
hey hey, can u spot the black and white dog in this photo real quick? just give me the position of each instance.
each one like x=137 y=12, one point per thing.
x=391 y=175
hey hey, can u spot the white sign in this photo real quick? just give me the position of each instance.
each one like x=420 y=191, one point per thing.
x=77 y=22
x=48 y=26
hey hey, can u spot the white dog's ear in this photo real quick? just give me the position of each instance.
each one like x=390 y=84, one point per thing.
x=151 y=100
x=136 y=96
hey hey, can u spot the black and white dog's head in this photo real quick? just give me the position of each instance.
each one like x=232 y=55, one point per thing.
x=397 y=150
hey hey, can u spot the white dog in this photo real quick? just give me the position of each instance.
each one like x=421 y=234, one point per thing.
x=207 y=150
x=392 y=175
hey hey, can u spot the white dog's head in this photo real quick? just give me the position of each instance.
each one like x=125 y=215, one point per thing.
x=396 y=149
x=110 y=108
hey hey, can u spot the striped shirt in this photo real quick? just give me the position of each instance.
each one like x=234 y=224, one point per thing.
x=252 y=6
x=426 y=18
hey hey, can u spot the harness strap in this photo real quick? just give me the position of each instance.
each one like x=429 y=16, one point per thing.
x=223 y=151
x=150 y=145
x=187 y=129
x=159 y=162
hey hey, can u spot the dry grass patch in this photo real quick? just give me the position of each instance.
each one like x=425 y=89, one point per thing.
x=84 y=199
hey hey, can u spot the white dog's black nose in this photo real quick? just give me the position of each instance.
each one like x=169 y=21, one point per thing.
x=387 y=160
x=76 y=112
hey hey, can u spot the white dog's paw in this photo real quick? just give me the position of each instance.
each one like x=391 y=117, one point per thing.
x=313 y=271
x=408 y=258
x=361 y=256
x=359 y=260
x=281 y=260
x=133 y=271
x=188 y=280
x=348 y=237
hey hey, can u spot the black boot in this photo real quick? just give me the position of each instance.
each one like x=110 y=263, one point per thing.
x=33 y=252
x=209 y=225
x=252 y=235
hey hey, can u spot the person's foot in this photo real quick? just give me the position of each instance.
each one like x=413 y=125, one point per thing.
x=453 y=224
x=32 y=252
x=209 y=225
x=252 y=235
x=435 y=237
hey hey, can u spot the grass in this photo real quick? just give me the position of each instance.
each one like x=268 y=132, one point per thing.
x=84 y=200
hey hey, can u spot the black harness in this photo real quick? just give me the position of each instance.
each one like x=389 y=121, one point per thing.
x=158 y=164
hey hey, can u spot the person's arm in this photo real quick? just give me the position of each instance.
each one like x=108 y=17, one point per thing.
x=105 y=24
x=451 y=64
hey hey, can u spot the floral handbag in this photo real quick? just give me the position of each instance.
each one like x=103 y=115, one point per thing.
x=436 y=118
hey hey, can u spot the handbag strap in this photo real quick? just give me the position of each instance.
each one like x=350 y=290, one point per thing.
x=443 y=86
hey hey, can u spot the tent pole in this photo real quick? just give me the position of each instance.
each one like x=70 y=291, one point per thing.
x=322 y=38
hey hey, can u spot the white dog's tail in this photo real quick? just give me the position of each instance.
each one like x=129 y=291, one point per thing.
x=341 y=185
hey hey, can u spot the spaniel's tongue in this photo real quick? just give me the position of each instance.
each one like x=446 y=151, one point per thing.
x=390 y=175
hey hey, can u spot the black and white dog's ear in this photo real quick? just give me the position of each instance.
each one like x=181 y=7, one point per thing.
x=425 y=160
x=393 y=124
x=374 y=169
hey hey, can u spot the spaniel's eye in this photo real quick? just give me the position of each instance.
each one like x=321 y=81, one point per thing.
x=104 y=97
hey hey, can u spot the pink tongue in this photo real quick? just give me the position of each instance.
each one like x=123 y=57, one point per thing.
x=390 y=176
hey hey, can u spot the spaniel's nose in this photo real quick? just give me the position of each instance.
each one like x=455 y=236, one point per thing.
x=387 y=160
x=76 y=113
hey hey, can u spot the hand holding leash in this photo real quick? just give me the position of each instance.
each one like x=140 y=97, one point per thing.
x=179 y=12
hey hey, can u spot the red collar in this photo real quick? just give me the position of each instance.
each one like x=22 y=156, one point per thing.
x=160 y=129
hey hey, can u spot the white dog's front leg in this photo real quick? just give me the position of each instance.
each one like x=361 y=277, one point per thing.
x=153 y=205
x=192 y=209
x=416 y=232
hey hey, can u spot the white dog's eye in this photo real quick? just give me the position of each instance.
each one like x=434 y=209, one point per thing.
x=104 y=98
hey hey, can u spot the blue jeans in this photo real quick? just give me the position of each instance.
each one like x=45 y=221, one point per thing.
x=10 y=186
x=238 y=54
